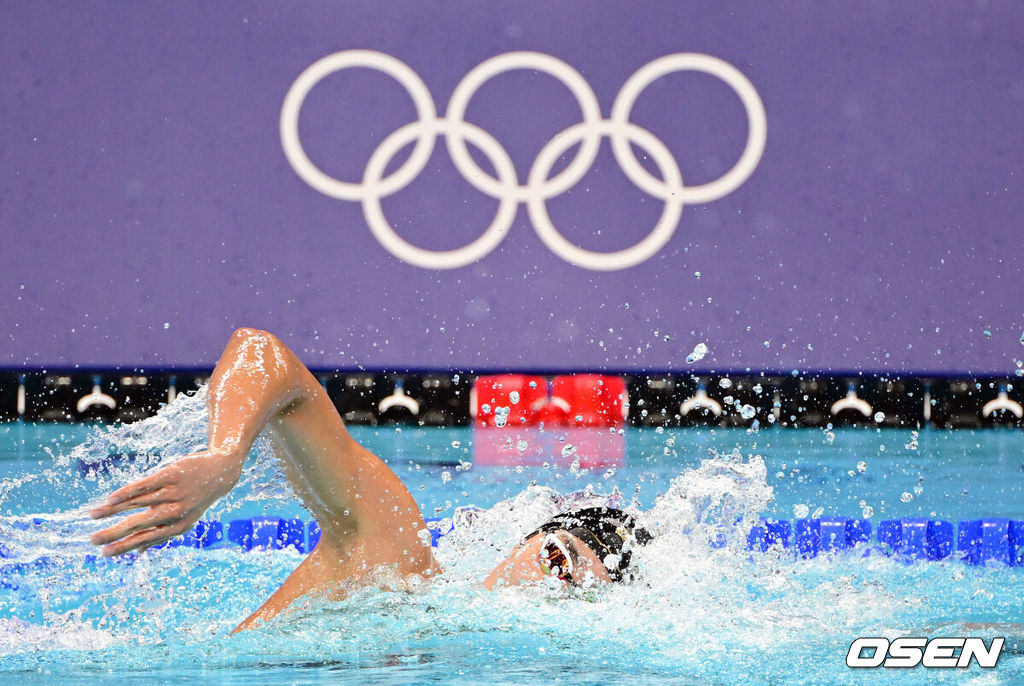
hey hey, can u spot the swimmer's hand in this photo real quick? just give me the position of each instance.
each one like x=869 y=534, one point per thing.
x=174 y=499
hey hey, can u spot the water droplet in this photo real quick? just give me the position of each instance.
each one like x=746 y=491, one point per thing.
x=514 y=397
x=987 y=333
x=725 y=383
x=862 y=466
x=879 y=416
x=446 y=476
x=918 y=489
x=533 y=384
x=867 y=512
x=568 y=449
x=522 y=445
x=829 y=436
x=485 y=408
x=748 y=411
x=456 y=444
x=699 y=351
x=906 y=497
x=609 y=474
x=697 y=274
x=167 y=325
x=800 y=511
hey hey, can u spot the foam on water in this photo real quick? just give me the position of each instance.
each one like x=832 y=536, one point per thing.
x=700 y=608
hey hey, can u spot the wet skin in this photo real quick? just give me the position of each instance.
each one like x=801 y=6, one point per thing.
x=368 y=518
x=526 y=563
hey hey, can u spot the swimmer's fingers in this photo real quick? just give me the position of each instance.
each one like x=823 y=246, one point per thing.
x=146 y=484
x=145 y=500
x=160 y=515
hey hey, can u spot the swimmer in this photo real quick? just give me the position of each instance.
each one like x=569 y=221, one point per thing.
x=367 y=517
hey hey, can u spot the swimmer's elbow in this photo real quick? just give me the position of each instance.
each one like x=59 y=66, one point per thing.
x=248 y=339
x=263 y=351
x=245 y=333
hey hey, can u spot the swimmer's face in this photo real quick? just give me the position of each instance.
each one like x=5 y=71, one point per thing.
x=557 y=554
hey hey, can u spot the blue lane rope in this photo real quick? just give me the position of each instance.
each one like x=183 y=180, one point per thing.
x=976 y=541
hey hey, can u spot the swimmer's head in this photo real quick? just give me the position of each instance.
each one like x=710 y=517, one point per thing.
x=581 y=547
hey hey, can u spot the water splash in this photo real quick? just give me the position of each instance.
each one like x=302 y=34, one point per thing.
x=701 y=607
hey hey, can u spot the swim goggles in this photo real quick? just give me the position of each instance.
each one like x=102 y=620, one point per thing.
x=555 y=559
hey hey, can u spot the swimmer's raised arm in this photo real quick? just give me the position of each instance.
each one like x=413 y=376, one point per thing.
x=367 y=516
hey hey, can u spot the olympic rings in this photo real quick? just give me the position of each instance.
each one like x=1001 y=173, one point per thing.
x=538 y=188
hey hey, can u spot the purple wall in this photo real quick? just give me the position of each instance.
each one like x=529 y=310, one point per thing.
x=147 y=205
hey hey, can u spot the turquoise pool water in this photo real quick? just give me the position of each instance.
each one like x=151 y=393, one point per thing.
x=698 y=614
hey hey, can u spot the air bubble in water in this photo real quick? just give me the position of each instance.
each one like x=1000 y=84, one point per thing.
x=699 y=351
x=456 y=444
x=514 y=397
x=829 y=436
x=568 y=449
x=867 y=512
x=906 y=497
x=800 y=511
x=879 y=416
x=533 y=384
x=748 y=412
x=522 y=445
x=918 y=489
x=446 y=476
x=725 y=383
x=485 y=408
x=862 y=466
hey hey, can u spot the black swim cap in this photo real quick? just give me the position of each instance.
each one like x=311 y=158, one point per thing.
x=605 y=530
